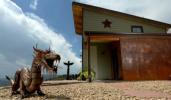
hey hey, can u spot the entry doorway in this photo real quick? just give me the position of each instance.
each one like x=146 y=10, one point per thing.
x=116 y=59
x=106 y=60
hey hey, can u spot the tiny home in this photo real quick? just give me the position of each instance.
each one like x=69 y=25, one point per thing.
x=120 y=46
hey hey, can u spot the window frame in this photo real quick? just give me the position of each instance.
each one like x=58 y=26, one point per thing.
x=136 y=26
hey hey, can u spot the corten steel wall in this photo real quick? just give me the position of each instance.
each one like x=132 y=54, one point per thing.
x=146 y=57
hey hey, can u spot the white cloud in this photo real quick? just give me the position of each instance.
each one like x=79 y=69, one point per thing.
x=20 y=31
x=33 y=4
x=152 y=9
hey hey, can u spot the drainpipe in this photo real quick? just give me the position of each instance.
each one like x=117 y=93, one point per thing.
x=82 y=55
x=89 y=61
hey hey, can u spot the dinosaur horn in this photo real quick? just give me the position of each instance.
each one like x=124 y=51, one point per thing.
x=36 y=49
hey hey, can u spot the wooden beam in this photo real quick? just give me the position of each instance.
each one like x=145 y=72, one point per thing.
x=104 y=38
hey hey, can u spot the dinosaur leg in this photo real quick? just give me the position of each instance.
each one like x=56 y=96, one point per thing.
x=39 y=92
x=15 y=87
x=16 y=84
x=23 y=91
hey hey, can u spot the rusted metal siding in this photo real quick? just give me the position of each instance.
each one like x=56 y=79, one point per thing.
x=146 y=58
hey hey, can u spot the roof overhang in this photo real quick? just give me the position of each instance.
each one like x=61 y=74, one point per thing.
x=78 y=9
x=78 y=17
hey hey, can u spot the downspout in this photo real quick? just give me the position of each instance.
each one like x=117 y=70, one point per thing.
x=82 y=44
x=89 y=61
x=82 y=56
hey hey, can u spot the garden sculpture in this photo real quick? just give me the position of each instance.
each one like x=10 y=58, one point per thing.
x=29 y=80
x=68 y=68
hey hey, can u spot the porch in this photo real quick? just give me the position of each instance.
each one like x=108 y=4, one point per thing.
x=129 y=56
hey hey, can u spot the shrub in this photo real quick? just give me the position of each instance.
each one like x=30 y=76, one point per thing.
x=84 y=75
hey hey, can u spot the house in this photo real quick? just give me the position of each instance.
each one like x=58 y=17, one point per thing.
x=120 y=46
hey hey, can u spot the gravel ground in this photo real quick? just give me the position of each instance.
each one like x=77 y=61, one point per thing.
x=98 y=90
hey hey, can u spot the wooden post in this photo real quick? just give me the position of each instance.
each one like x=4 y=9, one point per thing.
x=68 y=68
x=82 y=56
x=89 y=61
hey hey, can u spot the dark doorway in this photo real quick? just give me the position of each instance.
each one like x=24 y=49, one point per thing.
x=115 y=54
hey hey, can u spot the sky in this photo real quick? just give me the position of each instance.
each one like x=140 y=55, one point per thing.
x=25 y=23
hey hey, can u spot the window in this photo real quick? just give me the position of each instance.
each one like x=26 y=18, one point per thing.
x=137 y=29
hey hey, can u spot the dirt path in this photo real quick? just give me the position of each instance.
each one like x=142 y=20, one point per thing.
x=99 y=90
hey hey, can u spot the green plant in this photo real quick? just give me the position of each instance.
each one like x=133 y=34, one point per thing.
x=84 y=75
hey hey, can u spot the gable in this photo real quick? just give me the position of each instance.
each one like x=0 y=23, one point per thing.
x=80 y=9
x=94 y=21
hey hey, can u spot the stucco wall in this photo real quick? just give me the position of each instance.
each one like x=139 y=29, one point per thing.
x=94 y=63
x=92 y=21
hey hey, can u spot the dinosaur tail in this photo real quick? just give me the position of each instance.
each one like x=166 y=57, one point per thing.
x=11 y=81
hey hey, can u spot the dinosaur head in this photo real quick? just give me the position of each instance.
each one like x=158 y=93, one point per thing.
x=48 y=58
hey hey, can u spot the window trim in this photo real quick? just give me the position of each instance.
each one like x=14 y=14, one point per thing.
x=136 y=26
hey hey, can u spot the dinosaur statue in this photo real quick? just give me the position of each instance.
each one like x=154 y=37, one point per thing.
x=29 y=81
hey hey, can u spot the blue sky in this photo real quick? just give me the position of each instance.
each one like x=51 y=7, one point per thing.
x=23 y=23
x=46 y=22
x=57 y=14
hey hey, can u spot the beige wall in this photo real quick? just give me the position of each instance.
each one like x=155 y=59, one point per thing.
x=93 y=58
x=92 y=21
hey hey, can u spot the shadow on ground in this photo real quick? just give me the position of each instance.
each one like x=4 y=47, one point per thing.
x=61 y=83
x=60 y=97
